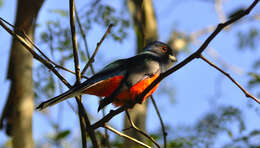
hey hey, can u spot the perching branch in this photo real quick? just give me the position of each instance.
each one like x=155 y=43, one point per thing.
x=109 y=116
x=196 y=54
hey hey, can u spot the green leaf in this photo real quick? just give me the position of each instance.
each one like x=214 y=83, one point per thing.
x=255 y=79
x=63 y=134
x=230 y=134
x=1 y=3
x=61 y=12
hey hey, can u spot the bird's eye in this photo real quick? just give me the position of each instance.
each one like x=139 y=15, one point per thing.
x=164 y=49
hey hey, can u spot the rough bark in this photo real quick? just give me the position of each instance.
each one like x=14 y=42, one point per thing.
x=17 y=114
x=145 y=25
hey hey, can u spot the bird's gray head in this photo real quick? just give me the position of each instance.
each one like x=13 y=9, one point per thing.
x=165 y=53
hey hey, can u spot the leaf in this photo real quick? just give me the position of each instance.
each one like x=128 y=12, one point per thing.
x=255 y=79
x=248 y=39
x=230 y=134
x=61 y=12
x=61 y=135
x=257 y=64
x=1 y=3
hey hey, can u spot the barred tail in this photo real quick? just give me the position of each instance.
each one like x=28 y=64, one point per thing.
x=68 y=94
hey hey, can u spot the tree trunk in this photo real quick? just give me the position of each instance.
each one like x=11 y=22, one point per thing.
x=145 y=25
x=17 y=114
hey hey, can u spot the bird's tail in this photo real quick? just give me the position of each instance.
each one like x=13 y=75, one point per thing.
x=104 y=102
x=68 y=94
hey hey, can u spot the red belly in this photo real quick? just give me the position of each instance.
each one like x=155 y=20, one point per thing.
x=106 y=87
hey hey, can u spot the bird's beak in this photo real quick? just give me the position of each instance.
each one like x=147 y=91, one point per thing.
x=172 y=58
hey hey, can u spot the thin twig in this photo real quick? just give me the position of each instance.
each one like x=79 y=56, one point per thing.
x=21 y=39
x=247 y=94
x=139 y=130
x=125 y=136
x=84 y=121
x=161 y=122
x=96 y=50
x=21 y=33
x=83 y=34
x=219 y=9
x=198 y=33
x=74 y=40
x=46 y=57
x=91 y=66
x=196 y=54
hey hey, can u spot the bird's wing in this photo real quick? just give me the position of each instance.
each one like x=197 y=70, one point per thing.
x=114 y=69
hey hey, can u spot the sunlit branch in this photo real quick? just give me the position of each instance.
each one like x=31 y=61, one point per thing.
x=247 y=94
x=139 y=130
x=125 y=136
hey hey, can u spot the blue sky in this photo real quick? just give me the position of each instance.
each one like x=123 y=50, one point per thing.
x=193 y=85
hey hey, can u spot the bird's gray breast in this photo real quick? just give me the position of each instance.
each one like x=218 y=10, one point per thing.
x=142 y=71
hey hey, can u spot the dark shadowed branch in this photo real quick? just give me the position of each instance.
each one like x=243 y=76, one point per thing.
x=83 y=118
x=17 y=35
x=196 y=54
x=109 y=116
x=161 y=122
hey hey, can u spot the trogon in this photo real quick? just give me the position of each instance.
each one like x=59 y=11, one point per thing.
x=120 y=82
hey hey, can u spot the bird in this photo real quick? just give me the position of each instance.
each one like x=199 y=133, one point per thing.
x=121 y=81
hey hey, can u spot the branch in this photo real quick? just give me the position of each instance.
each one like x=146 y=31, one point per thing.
x=198 y=52
x=161 y=122
x=247 y=94
x=74 y=40
x=84 y=121
x=126 y=136
x=82 y=33
x=47 y=58
x=139 y=130
x=17 y=35
x=109 y=116
x=24 y=36
x=219 y=9
x=96 y=50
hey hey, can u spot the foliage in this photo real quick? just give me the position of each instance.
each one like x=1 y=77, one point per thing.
x=248 y=39
x=104 y=14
